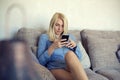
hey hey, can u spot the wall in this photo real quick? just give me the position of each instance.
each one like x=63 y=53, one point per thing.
x=81 y=14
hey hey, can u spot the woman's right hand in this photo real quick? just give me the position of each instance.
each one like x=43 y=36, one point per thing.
x=58 y=43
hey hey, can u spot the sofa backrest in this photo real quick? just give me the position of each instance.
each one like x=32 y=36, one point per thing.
x=100 y=45
x=98 y=34
x=31 y=35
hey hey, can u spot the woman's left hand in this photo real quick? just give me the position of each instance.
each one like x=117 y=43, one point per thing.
x=71 y=44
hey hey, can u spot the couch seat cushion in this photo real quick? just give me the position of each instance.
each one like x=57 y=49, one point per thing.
x=94 y=76
x=111 y=74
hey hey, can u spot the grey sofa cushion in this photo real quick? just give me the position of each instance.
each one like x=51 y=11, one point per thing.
x=102 y=53
x=94 y=76
x=30 y=35
x=76 y=33
x=111 y=74
x=98 y=34
x=101 y=45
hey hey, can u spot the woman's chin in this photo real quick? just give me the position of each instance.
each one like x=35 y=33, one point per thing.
x=58 y=33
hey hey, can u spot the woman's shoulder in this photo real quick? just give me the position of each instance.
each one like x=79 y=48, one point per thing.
x=45 y=36
x=71 y=36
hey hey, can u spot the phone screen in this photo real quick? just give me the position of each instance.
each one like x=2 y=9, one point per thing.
x=65 y=37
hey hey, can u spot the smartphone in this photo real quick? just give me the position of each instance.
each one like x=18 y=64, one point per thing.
x=65 y=37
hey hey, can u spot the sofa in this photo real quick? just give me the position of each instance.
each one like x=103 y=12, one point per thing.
x=98 y=47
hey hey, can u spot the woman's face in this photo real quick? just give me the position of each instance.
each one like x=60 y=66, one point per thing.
x=58 y=27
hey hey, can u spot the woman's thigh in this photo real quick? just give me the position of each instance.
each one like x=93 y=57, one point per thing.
x=61 y=74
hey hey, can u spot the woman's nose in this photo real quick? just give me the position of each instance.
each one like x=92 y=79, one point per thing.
x=60 y=27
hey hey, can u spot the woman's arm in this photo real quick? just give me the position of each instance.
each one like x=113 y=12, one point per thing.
x=44 y=51
x=42 y=54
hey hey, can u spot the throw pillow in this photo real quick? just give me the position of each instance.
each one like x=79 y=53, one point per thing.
x=85 y=61
x=102 y=53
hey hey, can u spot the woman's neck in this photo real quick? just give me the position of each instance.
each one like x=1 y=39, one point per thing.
x=57 y=36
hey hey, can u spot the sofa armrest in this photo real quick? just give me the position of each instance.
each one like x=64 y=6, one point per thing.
x=44 y=72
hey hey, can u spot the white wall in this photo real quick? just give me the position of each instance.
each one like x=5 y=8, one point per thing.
x=81 y=14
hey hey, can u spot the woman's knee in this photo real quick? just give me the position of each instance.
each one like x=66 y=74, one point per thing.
x=70 y=59
x=69 y=55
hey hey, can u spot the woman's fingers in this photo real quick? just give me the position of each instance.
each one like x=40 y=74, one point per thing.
x=60 y=44
x=68 y=44
x=71 y=44
x=63 y=40
x=64 y=43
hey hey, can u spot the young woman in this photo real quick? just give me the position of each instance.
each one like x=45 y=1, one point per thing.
x=61 y=57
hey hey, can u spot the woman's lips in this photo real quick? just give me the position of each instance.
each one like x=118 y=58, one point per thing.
x=59 y=31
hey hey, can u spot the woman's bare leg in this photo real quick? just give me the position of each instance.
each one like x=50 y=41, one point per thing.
x=75 y=66
x=61 y=74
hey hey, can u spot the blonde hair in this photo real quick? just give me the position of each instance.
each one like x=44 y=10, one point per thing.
x=51 y=32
